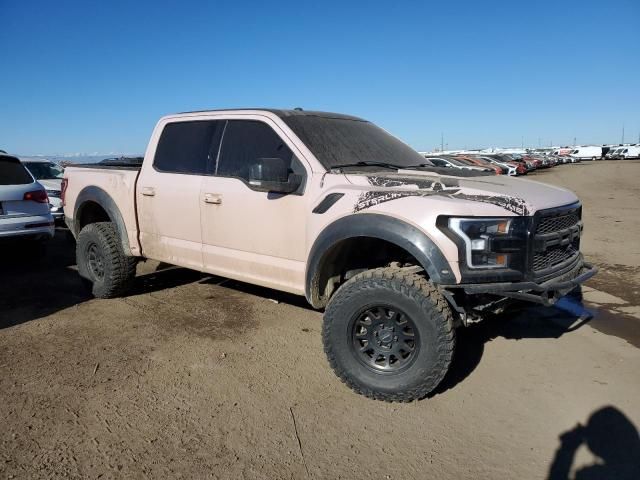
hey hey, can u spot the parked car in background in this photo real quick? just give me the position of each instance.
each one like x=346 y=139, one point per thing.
x=614 y=153
x=514 y=157
x=451 y=162
x=511 y=168
x=24 y=205
x=49 y=175
x=587 y=153
x=479 y=162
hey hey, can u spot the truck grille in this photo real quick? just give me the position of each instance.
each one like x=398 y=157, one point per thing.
x=560 y=222
x=556 y=240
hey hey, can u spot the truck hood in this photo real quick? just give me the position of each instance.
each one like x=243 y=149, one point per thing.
x=51 y=184
x=515 y=195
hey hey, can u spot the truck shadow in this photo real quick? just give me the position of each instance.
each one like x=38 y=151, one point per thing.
x=32 y=287
x=524 y=321
x=36 y=283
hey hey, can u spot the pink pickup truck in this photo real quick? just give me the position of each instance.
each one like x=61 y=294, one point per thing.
x=398 y=252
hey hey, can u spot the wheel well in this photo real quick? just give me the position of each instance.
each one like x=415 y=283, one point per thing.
x=351 y=256
x=91 y=212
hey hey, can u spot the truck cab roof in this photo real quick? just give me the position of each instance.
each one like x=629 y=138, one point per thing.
x=282 y=113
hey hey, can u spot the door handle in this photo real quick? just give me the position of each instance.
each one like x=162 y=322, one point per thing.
x=148 y=191
x=214 y=198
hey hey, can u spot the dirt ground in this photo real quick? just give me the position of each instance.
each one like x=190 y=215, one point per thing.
x=193 y=376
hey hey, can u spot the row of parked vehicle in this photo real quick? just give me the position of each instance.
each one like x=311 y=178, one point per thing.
x=623 y=153
x=595 y=152
x=499 y=163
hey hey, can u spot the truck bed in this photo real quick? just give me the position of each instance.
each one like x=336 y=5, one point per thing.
x=97 y=181
x=121 y=163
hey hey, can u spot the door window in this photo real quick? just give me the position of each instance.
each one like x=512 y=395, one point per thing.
x=247 y=141
x=189 y=147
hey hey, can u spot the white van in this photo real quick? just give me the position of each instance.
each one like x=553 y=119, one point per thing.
x=632 y=151
x=587 y=153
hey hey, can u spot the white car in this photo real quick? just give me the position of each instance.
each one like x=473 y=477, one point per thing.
x=49 y=175
x=24 y=205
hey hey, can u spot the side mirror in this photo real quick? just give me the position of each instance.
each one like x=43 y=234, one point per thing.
x=272 y=175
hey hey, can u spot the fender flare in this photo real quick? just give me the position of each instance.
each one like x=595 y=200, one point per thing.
x=383 y=227
x=97 y=195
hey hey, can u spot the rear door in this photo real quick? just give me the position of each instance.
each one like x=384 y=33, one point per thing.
x=168 y=191
x=248 y=235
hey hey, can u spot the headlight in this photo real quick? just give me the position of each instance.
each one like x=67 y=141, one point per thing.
x=480 y=236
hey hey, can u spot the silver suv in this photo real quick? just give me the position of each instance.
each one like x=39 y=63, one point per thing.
x=24 y=204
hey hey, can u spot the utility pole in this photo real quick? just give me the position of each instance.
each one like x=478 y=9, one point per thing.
x=442 y=141
x=522 y=142
x=574 y=141
x=539 y=144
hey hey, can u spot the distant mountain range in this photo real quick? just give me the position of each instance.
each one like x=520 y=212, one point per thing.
x=79 y=157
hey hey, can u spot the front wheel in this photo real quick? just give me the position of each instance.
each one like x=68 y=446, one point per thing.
x=388 y=334
x=102 y=264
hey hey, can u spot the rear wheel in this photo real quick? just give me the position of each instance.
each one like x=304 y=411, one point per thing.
x=388 y=335
x=102 y=264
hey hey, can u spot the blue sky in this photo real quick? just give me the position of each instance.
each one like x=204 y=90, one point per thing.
x=92 y=76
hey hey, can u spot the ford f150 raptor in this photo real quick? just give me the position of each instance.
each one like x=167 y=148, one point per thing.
x=398 y=252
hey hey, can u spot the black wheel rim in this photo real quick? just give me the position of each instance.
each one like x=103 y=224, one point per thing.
x=95 y=259
x=384 y=339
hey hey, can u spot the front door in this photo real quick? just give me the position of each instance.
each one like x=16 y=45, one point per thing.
x=253 y=236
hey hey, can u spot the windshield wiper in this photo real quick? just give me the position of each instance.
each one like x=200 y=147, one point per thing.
x=368 y=164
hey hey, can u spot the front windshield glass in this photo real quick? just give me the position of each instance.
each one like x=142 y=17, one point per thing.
x=342 y=141
x=44 y=171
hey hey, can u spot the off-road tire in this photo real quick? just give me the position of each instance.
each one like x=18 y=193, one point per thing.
x=410 y=293
x=118 y=269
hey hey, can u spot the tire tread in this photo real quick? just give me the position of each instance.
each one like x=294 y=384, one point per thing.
x=422 y=291
x=123 y=268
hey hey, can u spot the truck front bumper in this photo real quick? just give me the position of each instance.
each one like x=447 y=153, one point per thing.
x=545 y=293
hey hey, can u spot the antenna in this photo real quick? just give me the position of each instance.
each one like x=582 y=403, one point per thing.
x=441 y=141
x=623 y=133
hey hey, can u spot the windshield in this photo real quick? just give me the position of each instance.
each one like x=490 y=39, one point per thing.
x=44 y=170
x=342 y=141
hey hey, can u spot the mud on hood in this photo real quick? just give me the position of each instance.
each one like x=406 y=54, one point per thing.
x=515 y=195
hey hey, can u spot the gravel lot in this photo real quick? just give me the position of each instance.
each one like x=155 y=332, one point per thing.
x=194 y=376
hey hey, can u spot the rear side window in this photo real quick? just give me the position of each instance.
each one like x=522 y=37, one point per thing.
x=12 y=172
x=245 y=142
x=189 y=147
